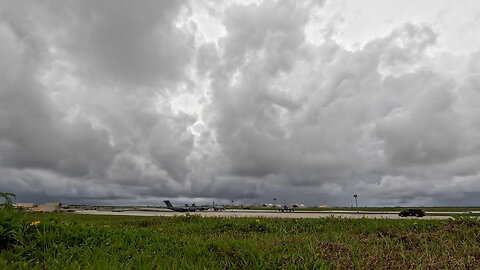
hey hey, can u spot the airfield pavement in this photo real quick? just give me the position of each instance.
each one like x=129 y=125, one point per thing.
x=262 y=213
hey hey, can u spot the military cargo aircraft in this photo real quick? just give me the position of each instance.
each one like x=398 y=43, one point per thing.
x=193 y=207
x=185 y=208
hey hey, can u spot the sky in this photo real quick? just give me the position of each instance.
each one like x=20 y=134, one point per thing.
x=130 y=103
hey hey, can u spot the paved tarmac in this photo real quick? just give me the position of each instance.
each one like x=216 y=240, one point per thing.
x=261 y=213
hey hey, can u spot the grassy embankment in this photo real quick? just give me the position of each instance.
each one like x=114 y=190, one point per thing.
x=71 y=241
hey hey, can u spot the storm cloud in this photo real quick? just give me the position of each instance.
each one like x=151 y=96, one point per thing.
x=130 y=103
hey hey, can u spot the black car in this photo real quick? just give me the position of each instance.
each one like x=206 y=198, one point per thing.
x=412 y=213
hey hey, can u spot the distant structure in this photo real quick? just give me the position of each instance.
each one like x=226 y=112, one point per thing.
x=48 y=207
x=45 y=208
x=265 y=205
x=242 y=206
x=269 y=205
x=24 y=206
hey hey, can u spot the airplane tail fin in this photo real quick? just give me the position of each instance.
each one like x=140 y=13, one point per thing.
x=168 y=203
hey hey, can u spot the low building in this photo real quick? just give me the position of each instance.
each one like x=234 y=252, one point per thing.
x=48 y=207
x=24 y=206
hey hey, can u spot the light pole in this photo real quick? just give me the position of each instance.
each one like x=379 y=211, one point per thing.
x=356 y=203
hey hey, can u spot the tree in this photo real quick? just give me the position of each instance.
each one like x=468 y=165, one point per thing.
x=7 y=197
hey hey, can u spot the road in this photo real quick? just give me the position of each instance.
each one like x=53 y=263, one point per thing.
x=259 y=213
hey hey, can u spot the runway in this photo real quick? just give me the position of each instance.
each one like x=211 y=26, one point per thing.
x=260 y=213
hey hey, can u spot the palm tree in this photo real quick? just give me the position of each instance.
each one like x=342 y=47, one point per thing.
x=7 y=197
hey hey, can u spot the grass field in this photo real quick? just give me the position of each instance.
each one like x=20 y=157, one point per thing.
x=72 y=241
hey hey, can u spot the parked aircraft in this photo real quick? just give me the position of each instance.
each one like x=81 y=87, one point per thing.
x=193 y=207
x=286 y=208
x=185 y=208
x=218 y=207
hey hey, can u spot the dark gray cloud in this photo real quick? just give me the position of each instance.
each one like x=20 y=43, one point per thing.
x=123 y=103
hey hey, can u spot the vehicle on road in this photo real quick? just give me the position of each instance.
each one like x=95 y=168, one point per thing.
x=412 y=213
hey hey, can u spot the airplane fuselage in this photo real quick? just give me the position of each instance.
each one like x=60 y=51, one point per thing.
x=193 y=207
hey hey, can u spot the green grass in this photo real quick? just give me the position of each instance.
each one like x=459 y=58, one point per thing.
x=72 y=241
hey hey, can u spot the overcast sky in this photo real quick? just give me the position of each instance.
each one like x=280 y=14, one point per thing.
x=133 y=102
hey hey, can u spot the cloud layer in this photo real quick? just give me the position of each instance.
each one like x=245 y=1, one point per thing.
x=116 y=103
